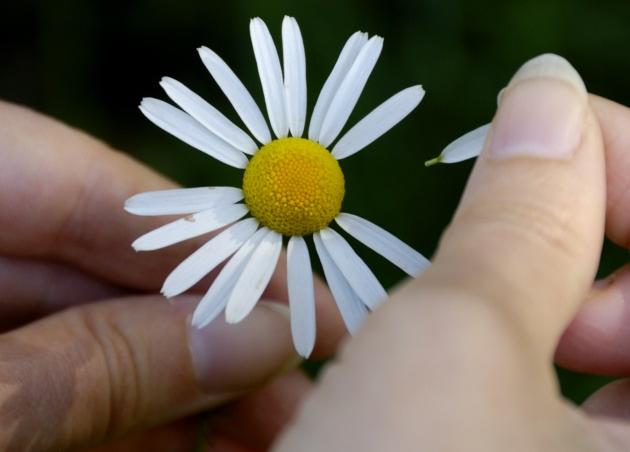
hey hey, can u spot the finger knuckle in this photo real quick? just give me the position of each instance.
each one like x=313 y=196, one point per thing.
x=120 y=366
x=528 y=223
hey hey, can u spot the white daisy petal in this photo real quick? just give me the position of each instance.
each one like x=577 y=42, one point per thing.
x=237 y=94
x=347 y=56
x=270 y=76
x=379 y=121
x=255 y=277
x=356 y=272
x=465 y=147
x=387 y=245
x=301 y=296
x=187 y=129
x=216 y=298
x=206 y=258
x=189 y=227
x=294 y=75
x=353 y=311
x=208 y=116
x=180 y=201
x=349 y=91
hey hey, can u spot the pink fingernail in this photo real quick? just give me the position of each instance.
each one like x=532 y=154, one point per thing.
x=228 y=357
x=541 y=112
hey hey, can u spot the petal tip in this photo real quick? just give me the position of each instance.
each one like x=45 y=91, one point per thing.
x=304 y=353
x=168 y=293
x=232 y=317
x=166 y=80
x=197 y=321
x=146 y=102
x=377 y=39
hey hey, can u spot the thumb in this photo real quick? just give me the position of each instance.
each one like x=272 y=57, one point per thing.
x=528 y=232
x=454 y=347
x=91 y=373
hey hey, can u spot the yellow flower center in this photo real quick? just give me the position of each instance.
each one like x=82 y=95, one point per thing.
x=293 y=186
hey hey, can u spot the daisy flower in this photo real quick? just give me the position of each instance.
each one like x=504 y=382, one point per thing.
x=292 y=186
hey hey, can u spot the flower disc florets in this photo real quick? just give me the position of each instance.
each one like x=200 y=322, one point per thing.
x=294 y=186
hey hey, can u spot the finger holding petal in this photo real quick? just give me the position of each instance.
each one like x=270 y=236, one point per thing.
x=379 y=121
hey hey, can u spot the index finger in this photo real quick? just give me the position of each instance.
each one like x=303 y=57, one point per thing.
x=62 y=194
x=614 y=121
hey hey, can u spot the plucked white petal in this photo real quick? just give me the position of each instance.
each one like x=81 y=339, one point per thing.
x=349 y=91
x=353 y=311
x=465 y=147
x=216 y=297
x=356 y=272
x=254 y=278
x=208 y=116
x=180 y=201
x=387 y=245
x=379 y=121
x=270 y=76
x=237 y=94
x=189 y=227
x=301 y=296
x=187 y=129
x=294 y=75
x=347 y=56
x=206 y=258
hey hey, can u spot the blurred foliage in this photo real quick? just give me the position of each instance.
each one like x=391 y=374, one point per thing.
x=90 y=62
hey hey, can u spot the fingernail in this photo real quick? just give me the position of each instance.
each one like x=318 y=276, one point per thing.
x=541 y=112
x=230 y=358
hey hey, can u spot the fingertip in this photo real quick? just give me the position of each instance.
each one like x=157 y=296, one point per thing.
x=234 y=357
x=528 y=230
x=611 y=400
x=597 y=337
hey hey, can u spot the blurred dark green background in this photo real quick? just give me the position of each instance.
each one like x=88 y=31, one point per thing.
x=89 y=63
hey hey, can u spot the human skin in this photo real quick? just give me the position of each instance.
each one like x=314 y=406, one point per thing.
x=459 y=359
x=90 y=351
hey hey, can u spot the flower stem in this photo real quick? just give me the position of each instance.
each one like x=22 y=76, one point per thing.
x=433 y=161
